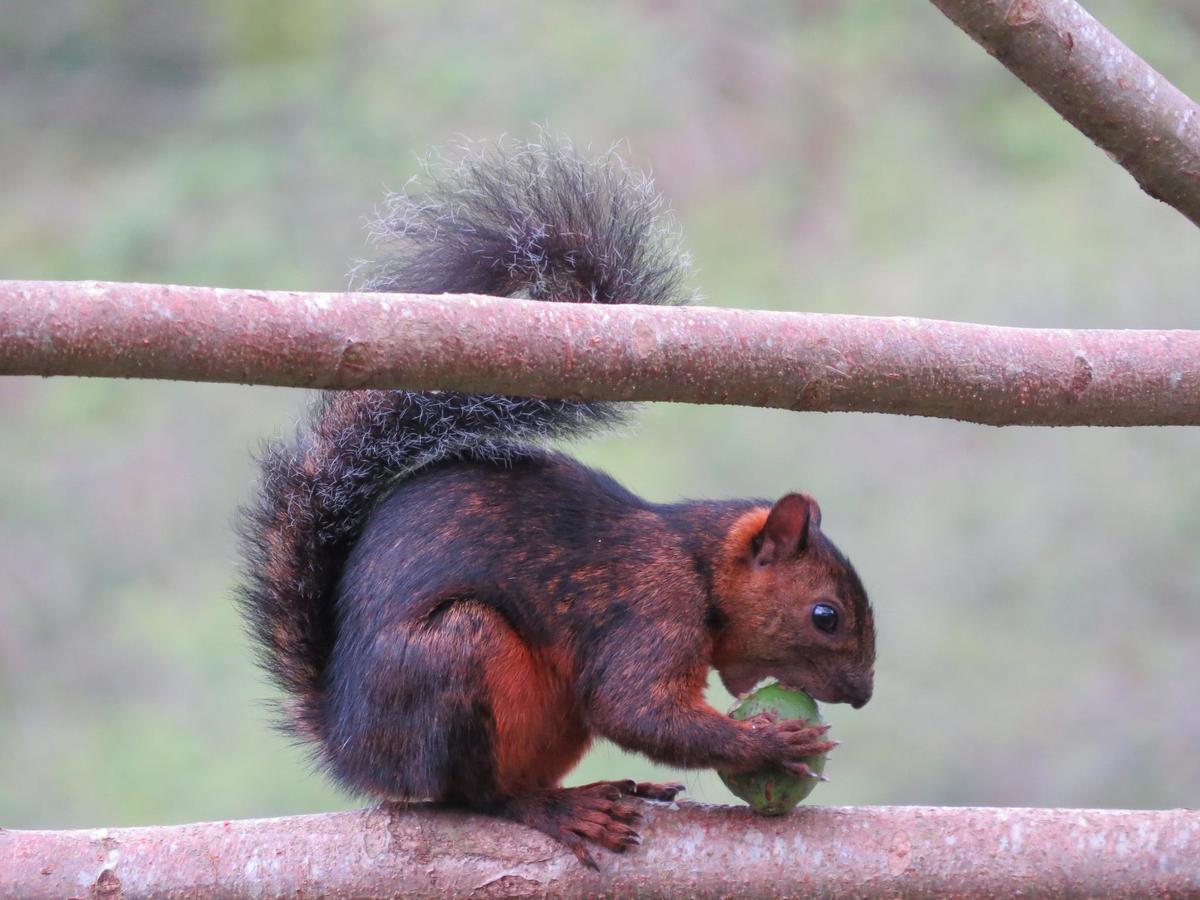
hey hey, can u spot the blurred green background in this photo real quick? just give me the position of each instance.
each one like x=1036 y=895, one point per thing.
x=1037 y=590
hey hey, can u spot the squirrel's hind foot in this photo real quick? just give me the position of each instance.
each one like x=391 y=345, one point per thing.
x=599 y=813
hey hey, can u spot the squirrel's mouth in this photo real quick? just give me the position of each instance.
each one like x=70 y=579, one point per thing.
x=741 y=679
x=821 y=689
x=805 y=685
x=852 y=690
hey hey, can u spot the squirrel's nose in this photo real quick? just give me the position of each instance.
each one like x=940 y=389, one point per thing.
x=860 y=691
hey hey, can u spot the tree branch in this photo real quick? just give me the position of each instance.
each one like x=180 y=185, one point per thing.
x=1097 y=84
x=800 y=361
x=694 y=851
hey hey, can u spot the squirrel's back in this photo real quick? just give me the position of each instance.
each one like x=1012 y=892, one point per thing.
x=535 y=221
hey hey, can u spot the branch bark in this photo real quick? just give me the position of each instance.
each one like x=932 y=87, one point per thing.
x=693 y=851
x=1097 y=84
x=799 y=361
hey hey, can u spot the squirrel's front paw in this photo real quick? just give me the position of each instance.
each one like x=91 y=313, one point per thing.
x=788 y=743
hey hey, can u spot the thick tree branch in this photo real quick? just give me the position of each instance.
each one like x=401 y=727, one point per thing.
x=1098 y=85
x=979 y=373
x=694 y=851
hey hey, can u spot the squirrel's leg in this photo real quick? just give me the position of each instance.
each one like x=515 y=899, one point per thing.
x=691 y=735
x=694 y=735
x=520 y=694
x=660 y=710
x=538 y=737
x=503 y=722
x=454 y=707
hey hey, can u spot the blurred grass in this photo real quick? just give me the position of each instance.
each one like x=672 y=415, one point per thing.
x=1036 y=590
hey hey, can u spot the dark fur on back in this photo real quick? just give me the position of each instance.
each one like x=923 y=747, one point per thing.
x=503 y=219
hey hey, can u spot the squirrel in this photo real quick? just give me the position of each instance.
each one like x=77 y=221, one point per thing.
x=454 y=611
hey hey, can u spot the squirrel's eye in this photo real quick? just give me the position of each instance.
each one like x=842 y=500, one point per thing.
x=825 y=617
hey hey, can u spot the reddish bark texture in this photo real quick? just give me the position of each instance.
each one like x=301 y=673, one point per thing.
x=800 y=361
x=693 y=851
x=1098 y=85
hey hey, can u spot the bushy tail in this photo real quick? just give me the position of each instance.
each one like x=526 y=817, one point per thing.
x=504 y=219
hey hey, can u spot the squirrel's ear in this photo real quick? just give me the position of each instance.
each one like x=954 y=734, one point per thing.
x=785 y=533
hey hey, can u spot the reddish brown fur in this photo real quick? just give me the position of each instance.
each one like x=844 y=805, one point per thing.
x=768 y=610
x=539 y=734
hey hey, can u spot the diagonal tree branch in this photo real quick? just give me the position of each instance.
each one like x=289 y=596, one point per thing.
x=693 y=851
x=1097 y=84
x=799 y=361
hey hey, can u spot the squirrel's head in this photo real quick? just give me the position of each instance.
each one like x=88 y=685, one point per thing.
x=792 y=607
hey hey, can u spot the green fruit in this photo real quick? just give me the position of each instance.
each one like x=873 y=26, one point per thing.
x=774 y=791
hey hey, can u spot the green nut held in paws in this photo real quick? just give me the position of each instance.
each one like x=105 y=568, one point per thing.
x=773 y=791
